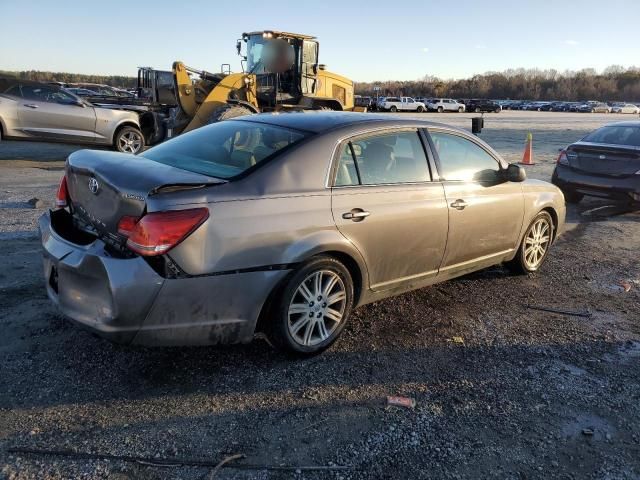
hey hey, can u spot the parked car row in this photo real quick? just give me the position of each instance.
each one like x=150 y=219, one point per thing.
x=590 y=106
x=423 y=104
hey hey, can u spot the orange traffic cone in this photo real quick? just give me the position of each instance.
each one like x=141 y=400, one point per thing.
x=527 y=158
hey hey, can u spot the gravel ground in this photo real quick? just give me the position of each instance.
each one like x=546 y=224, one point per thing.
x=501 y=391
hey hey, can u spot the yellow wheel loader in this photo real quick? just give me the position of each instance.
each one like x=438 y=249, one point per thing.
x=280 y=73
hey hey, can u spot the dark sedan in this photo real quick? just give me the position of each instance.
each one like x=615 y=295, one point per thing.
x=605 y=163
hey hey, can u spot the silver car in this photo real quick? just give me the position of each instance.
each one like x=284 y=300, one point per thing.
x=30 y=110
x=283 y=224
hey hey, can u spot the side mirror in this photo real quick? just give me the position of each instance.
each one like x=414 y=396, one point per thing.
x=239 y=46
x=515 y=173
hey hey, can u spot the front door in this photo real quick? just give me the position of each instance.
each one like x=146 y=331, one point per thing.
x=49 y=112
x=309 y=67
x=485 y=212
x=384 y=202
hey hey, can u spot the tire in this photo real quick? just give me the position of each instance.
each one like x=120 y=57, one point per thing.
x=301 y=332
x=460 y=109
x=225 y=112
x=440 y=109
x=477 y=110
x=420 y=109
x=498 y=110
x=128 y=140
x=528 y=260
x=593 y=110
x=393 y=109
x=572 y=197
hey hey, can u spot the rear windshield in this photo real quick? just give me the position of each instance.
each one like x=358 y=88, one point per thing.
x=615 y=135
x=225 y=149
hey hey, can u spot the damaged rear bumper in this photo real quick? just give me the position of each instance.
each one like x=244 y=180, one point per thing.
x=127 y=301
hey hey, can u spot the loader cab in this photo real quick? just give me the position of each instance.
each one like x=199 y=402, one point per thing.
x=157 y=86
x=285 y=66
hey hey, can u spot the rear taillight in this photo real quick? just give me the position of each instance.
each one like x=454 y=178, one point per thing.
x=62 y=197
x=127 y=224
x=562 y=158
x=157 y=233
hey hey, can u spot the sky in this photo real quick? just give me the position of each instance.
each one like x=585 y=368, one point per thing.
x=364 y=41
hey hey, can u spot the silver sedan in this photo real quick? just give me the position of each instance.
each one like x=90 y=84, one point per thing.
x=283 y=224
x=36 y=111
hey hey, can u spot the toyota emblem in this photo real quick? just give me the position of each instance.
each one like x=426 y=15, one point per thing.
x=93 y=185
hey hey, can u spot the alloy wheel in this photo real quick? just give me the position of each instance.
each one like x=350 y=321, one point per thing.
x=130 y=142
x=536 y=243
x=317 y=307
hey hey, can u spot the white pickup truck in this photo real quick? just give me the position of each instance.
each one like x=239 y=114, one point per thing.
x=396 y=104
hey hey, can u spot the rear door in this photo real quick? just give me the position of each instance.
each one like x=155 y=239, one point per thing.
x=49 y=112
x=485 y=212
x=384 y=202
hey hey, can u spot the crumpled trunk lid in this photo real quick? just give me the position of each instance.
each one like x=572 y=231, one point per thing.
x=105 y=186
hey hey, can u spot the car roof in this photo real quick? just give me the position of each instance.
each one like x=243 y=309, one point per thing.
x=323 y=121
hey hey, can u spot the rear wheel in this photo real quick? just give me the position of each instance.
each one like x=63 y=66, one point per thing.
x=225 y=112
x=440 y=109
x=129 y=140
x=535 y=245
x=477 y=110
x=314 y=306
x=393 y=108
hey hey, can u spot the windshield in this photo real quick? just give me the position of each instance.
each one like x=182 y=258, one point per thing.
x=615 y=135
x=255 y=50
x=225 y=149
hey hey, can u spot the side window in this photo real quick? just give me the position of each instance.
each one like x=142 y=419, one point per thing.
x=47 y=94
x=347 y=173
x=14 y=91
x=462 y=159
x=383 y=159
x=37 y=92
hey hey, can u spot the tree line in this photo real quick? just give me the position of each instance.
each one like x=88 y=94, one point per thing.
x=615 y=83
x=119 y=81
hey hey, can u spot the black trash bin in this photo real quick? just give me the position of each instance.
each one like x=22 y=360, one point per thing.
x=477 y=124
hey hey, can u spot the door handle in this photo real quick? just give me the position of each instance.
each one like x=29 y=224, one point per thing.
x=30 y=105
x=356 y=215
x=459 y=204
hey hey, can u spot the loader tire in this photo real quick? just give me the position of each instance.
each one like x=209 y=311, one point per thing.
x=225 y=112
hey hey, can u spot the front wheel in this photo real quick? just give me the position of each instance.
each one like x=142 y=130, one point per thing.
x=460 y=109
x=535 y=245
x=314 y=306
x=129 y=140
x=477 y=110
x=420 y=109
